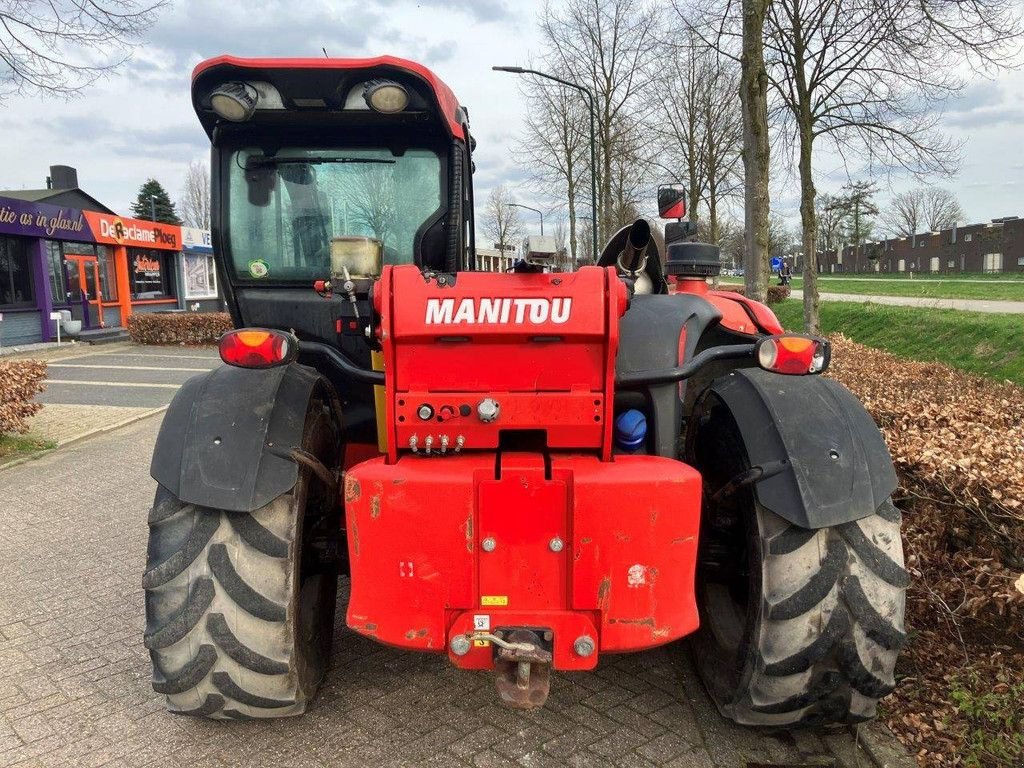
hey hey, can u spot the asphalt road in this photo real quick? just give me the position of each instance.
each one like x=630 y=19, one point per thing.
x=75 y=678
x=136 y=376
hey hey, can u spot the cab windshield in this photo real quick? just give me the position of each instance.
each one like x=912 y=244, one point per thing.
x=284 y=208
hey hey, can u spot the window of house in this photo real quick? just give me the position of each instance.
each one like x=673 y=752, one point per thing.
x=968 y=238
x=1020 y=261
x=15 y=273
x=149 y=273
x=200 y=276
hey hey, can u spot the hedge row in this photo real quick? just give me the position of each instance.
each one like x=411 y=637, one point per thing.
x=776 y=293
x=20 y=382
x=184 y=328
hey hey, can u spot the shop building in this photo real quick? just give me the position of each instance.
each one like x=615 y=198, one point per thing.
x=60 y=249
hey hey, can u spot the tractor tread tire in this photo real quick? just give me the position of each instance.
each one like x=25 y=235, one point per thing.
x=221 y=608
x=825 y=647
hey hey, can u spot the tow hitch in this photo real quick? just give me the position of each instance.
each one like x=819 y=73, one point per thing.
x=522 y=660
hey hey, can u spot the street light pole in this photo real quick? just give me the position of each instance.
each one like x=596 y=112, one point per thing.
x=593 y=141
x=535 y=210
x=152 y=208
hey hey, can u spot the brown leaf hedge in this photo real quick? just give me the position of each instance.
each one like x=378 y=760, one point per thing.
x=20 y=382
x=957 y=441
x=182 y=328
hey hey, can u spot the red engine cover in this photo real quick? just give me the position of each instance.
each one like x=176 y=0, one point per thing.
x=541 y=346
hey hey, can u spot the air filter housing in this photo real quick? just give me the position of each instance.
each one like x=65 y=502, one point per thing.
x=693 y=260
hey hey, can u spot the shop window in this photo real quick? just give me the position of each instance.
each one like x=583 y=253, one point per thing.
x=107 y=276
x=200 y=276
x=150 y=274
x=55 y=266
x=15 y=273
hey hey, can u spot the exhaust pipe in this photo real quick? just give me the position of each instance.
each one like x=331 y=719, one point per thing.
x=633 y=256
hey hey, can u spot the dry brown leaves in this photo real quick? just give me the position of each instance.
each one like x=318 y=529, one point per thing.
x=20 y=382
x=957 y=441
x=189 y=328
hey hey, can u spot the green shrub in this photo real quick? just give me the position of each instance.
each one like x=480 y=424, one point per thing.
x=20 y=382
x=185 y=328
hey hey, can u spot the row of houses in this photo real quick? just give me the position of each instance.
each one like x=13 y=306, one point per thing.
x=997 y=246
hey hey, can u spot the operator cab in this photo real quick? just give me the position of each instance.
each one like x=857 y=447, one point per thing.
x=314 y=160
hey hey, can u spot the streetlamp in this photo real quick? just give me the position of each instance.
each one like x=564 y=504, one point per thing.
x=535 y=210
x=152 y=207
x=593 y=152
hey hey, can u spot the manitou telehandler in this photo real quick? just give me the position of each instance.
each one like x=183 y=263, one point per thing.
x=522 y=471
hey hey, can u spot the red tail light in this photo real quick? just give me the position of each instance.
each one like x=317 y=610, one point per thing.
x=794 y=355
x=258 y=348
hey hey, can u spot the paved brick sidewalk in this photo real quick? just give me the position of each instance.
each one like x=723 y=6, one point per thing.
x=75 y=689
x=64 y=423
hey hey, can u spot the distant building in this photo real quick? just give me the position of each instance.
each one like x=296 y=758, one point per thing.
x=495 y=259
x=63 y=252
x=997 y=246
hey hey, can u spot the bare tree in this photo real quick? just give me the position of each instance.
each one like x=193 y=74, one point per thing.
x=698 y=125
x=870 y=76
x=829 y=215
x=608 y=46
x=905 y=213
x=58 y=47
x=501 y=221
x=555 y=145
x=941 y=209
x=194 y=204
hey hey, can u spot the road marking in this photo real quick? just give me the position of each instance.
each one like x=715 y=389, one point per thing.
x=174 y=357
x=113 y=384
x=129 y=367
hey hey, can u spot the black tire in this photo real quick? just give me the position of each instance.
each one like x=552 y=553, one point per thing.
x=239 y=607
x=798 y=627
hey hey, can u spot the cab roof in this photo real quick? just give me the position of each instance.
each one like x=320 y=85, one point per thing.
x=327 y=79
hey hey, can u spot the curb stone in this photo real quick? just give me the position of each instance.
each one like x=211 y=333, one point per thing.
x=85 y=435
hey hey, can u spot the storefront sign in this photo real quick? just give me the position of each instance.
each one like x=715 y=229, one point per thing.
x=147 y=266
x=199 y=240
x=18 y=217
x=116 y=230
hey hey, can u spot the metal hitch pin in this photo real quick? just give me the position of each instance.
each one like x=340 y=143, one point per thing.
x=444 y=444
x=414 y=443
x=428 y=444
x=459 y=442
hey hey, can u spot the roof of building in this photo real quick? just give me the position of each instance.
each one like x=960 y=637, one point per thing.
x=73 y=198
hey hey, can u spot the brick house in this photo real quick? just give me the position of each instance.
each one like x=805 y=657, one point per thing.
x=997 y=246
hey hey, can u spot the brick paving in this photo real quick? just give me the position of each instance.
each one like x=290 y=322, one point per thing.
x=75 y=688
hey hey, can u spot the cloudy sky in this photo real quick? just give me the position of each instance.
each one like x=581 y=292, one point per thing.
x=139 y=123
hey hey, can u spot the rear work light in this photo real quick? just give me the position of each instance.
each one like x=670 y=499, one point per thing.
x=794 y=355
x=258 y=348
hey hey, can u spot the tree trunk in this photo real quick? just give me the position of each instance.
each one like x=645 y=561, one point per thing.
x=808 y=219
x=754 y=101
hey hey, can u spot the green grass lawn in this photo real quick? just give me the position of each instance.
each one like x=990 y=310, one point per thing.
x=925 y=288
x=16 y=446
x=990 y=345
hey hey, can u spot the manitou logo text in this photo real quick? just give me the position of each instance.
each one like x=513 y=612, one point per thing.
x=504 y=311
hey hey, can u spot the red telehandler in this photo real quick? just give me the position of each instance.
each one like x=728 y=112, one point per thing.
x=523 y=471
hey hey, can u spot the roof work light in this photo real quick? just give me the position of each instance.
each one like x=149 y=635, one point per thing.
x=234 y=101
x=385 y=96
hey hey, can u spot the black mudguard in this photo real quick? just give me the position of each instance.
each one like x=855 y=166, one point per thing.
x=825 y=460
x=226 y=435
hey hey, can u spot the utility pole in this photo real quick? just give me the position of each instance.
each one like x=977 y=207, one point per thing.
x=535 y=210
x=593 y=135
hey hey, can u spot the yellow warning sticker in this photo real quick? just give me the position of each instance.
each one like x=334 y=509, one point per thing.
x=481 y=643
x=494 y=600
